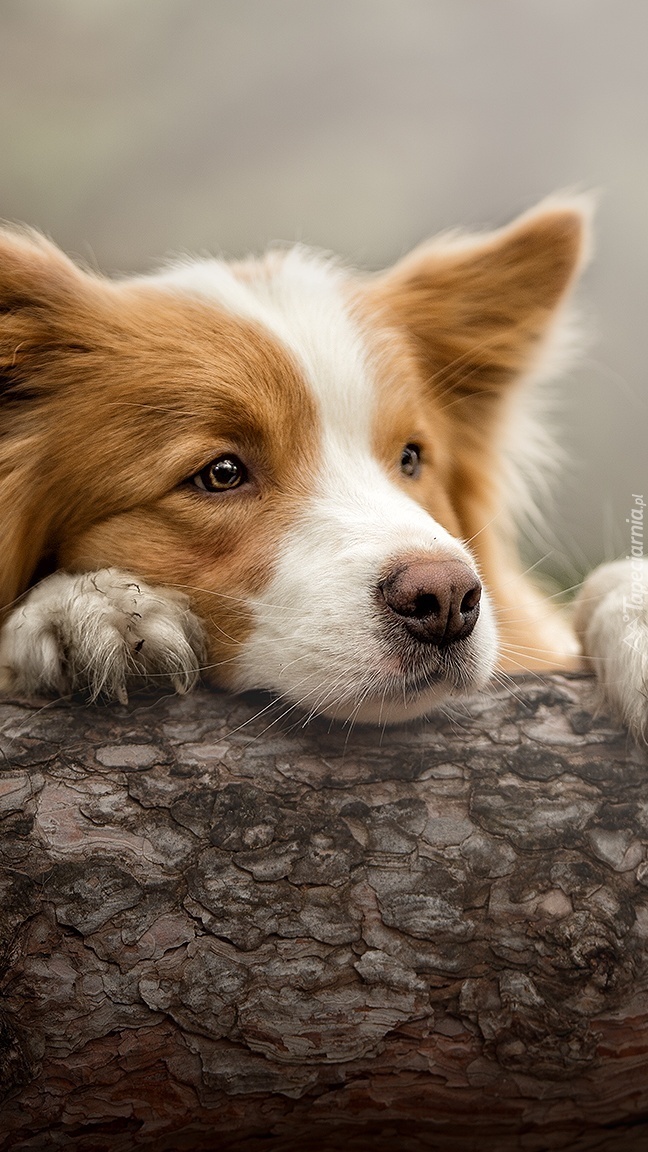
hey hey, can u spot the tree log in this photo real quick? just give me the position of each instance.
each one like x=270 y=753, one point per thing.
x=224 y=930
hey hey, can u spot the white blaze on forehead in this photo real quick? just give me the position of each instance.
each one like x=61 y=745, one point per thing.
x=300 y=297
x=318 y=635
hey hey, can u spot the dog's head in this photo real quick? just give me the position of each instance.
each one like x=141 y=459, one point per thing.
x=316 y=457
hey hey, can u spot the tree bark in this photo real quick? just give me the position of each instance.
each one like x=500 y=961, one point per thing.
x=222 y=929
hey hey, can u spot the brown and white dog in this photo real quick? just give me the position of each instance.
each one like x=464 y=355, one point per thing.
x=289 y=476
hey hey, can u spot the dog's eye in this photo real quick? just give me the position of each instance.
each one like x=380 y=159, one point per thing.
x=410 y=461
x=222 y=474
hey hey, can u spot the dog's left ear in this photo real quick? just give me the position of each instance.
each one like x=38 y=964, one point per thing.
x=480 y=309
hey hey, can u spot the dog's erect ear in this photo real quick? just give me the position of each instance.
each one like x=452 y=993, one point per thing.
x=480 y=309
x=41 y=293
x=42 y=299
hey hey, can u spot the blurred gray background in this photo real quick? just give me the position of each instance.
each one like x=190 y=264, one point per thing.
x=134 y=128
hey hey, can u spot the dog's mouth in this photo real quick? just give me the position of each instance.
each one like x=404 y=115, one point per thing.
x=405 y=686
x=416 y=668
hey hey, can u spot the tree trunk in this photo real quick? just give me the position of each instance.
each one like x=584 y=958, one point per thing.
x=224 y=930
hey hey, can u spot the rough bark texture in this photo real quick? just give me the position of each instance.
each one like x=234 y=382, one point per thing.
x=219 y=932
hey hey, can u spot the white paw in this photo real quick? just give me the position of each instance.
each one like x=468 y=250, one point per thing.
x=612 y=623
x=99 y=632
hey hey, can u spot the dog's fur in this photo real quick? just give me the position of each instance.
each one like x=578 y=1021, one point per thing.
x=318 y=575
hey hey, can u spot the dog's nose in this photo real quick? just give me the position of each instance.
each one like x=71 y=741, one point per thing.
x=436 y=600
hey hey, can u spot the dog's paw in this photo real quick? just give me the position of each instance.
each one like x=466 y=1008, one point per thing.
x=612 y=623
x=100 y=632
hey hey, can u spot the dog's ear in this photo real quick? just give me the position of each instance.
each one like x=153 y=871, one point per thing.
x=41 y=293
x=480 y=309
x=42 y=299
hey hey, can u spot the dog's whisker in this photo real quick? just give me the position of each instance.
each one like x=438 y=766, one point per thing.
x=294 y=705
x=247 y=602
x=470 y=540
x=528 y=650
x=537 y=675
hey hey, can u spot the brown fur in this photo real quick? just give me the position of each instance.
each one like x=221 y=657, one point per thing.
x=113 y=395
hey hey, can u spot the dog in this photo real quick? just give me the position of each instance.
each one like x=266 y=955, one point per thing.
x=289 y=476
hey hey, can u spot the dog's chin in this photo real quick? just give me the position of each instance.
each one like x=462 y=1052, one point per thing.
x=387 y=708
x=395 y=698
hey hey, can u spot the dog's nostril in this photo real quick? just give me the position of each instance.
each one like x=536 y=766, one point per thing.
x=426 y=605
x=471 y=599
